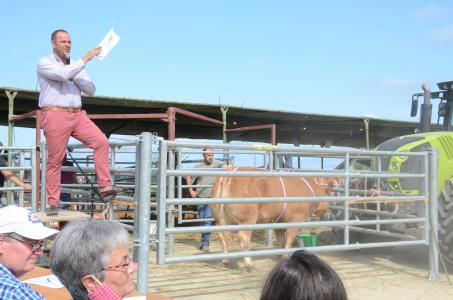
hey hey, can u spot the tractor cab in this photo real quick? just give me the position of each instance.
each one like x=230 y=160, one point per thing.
x=439 y=137
x=445 y=107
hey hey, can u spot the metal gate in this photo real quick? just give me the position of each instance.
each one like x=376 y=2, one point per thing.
x=424 y=218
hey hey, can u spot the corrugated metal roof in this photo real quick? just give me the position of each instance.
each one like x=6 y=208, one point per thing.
x=292 y=127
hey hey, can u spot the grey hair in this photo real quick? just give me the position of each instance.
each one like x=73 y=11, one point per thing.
x=83 y=248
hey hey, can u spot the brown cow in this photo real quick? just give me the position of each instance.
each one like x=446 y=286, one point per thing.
x=253 y=213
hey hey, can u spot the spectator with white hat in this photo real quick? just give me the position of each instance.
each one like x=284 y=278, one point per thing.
x=21 y=243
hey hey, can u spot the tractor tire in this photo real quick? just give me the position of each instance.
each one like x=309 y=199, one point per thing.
x=446 y=222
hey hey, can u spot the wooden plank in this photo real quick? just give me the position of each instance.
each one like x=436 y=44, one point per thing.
x=63 y=216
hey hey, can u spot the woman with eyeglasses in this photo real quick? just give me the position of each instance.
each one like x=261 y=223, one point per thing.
x=21 y=243
x=91 y=258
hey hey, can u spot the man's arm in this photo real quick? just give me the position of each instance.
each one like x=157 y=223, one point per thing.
x=25 y=292
x=84 y=83
x=193 y=193
x=54 y=70
x=82 y=80
x=10 y=176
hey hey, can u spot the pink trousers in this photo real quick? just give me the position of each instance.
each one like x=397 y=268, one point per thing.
x=58 y=126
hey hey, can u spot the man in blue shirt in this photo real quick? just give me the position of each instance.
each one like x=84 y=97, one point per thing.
x=21 y=243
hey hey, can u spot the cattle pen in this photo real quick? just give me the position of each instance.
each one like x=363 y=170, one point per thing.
x=156 y=181
x=346 y=201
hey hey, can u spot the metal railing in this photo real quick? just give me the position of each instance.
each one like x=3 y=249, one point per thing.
x=183 y=164
x=141 y=173
x=17 y=157
x=426 y=200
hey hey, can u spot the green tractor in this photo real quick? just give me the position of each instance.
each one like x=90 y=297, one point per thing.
x=442 y=140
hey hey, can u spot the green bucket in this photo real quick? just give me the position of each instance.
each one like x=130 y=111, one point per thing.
x=307 y=239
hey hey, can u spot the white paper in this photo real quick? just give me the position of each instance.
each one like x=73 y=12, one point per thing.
x=108 y=42
x=135 y=298
x=50 y=281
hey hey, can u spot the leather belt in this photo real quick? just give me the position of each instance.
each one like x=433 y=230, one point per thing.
x=62 y=108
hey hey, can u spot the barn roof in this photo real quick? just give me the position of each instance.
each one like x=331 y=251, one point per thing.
x=292 y=127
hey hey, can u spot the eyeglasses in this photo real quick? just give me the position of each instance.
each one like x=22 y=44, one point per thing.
x=123 y=267
x=35 y=247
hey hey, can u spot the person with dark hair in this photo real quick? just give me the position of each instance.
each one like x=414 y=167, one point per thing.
x=204 y=210
x=62 y=81
x=303 y=276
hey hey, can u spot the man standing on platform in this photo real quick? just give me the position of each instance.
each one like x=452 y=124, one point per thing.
x=62 y=81
x=204 y=211
x=21 y=243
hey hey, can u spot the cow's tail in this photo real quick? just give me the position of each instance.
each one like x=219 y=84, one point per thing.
x=218 y=209
x=218 y=191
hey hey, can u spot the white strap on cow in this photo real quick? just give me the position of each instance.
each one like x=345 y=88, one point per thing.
x=284 y=195
x=314 y=196
x=284 y=206
x=309 y=186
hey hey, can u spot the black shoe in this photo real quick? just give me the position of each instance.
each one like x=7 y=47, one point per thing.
x=204 y=248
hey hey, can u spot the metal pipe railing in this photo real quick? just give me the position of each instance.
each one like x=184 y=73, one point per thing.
x=143 y=211
x=347 y=199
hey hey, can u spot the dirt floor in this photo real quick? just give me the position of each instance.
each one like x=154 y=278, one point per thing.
x=398 y=273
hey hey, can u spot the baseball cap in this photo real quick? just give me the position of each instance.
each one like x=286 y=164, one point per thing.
x=23 y=222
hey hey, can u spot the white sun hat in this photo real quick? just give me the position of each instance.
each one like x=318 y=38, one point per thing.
x=14 y=219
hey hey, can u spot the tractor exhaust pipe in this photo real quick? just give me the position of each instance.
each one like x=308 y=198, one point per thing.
x=426 y=109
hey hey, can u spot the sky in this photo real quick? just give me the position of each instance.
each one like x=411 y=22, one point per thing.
x=352 y=58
